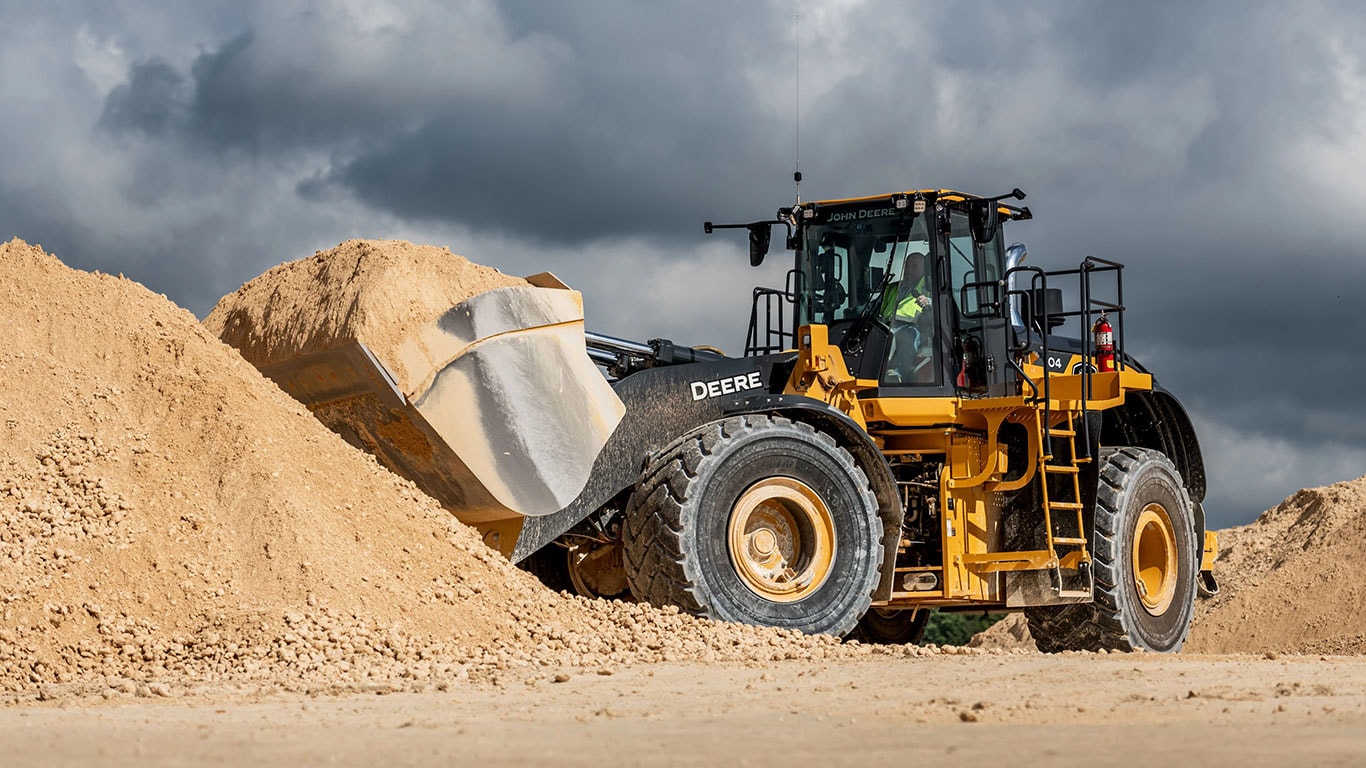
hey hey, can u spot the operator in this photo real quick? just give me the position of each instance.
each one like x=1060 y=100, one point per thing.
x=830 y=294
x=906 y=308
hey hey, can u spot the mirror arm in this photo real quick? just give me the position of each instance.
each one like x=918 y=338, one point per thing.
x=760 y=233
x=708 y=227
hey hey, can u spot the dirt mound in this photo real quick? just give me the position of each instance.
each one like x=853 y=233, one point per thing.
x=154 y=480
x=1291 y=580
x=1008 y=634
x=377 y=291
x=170 y=518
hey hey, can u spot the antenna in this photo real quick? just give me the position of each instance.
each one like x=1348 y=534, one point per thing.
x=797 y=42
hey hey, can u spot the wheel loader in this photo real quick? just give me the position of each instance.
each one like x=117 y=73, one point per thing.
x=918 y=422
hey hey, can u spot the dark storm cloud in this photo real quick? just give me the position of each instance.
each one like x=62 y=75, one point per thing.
x=605 y=175
x=652 y=132
x=152 y=101
x=592 y=148
x=224 y=102
x=227 y=110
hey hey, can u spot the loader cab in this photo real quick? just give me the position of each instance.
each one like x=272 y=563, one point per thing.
x=909 y=286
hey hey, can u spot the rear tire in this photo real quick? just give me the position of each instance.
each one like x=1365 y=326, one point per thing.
x=756 y=519
x=886 y=627
x=1144 y=562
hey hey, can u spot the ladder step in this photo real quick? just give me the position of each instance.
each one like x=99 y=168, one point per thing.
x=1065 y=504
x=1075 y=594
x=1062 y=433
x=1066 y=469
x=1069 y=540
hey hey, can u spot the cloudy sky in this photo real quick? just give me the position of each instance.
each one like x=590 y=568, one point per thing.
x=1215 y=148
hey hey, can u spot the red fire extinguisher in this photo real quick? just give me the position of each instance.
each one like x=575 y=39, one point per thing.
x=1105 y=344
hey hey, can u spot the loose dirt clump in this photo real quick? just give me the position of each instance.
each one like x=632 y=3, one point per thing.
x=169 y=520
x=1291 y=580
x=1010 y=633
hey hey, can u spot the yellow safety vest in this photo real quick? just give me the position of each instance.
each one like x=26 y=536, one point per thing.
x=908 y=309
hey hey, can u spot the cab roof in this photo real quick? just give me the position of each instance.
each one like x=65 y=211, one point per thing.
x=948 y=195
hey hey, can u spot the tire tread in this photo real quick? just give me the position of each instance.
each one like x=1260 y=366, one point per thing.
x=1101 y=624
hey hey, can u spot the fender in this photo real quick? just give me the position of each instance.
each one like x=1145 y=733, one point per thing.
x=1156 y=420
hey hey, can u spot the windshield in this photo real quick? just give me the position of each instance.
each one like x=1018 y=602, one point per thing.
x=854 y=260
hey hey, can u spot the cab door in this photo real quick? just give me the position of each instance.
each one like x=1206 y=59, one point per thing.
x=978 y=354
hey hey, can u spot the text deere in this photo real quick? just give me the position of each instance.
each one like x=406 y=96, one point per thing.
x=727 y=386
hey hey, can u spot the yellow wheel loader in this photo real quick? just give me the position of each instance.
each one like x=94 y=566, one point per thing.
x=911 y=427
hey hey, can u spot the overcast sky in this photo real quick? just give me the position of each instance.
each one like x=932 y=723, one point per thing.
x=1217 y=149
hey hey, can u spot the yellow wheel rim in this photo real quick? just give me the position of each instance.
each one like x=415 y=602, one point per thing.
x=782 y=539
x=1155 y=557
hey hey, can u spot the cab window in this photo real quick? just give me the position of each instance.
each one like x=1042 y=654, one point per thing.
x=970 y=262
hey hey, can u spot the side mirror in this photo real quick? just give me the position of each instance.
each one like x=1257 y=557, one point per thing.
x=760 y=232
x=759 y=235
x=983 y=221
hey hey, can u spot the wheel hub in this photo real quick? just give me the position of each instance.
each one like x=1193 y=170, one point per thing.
x=763 y=542
x=596 y=569
x=782 y=539
x=1155 y=559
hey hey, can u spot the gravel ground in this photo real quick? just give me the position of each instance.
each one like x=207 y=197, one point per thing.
x=1018 y=709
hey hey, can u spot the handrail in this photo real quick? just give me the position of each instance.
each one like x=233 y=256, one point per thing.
x=777 y=304
x=1040 y=318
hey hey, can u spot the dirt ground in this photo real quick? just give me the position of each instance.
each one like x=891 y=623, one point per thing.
x=1029 y=709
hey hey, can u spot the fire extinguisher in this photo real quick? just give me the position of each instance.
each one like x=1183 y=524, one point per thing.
x=1105 y=344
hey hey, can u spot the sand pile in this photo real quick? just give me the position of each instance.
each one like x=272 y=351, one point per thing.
x=1291 y=580
x=169 y=518
x=153 y=480
x=283 y=312
x=1008 y=634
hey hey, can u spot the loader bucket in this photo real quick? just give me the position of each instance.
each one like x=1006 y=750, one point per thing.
x=506 y=418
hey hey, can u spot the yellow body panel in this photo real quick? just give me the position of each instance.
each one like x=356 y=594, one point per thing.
x=821 y=373
x=501 y=534
x=972 y=525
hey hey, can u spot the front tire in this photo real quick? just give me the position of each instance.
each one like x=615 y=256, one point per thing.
x=1144 y=562
x=756 y=519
